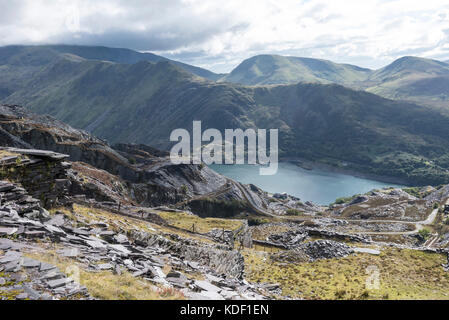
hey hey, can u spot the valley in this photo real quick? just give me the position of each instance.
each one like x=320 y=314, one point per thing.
x=91 y=207
x=333 y=123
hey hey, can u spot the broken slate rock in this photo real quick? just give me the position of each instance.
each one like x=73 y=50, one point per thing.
x=206 y=286
x=53 y=284
x=31 y=263
x=105 y=266
x=121 y=239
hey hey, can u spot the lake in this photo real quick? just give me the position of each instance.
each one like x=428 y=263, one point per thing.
x=319 y=186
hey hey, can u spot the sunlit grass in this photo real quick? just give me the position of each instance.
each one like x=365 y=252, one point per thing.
x=106 y=285
x=403 y=274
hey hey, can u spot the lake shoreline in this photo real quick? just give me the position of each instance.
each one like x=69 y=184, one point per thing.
x=318 y=183
x=314 y=165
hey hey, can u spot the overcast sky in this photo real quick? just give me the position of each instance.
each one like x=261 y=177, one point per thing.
x=219 y=34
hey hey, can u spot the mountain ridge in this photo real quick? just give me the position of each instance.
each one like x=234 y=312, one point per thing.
x=276 y=69
x=48 y=53
x=419 y=80
x=144 y=102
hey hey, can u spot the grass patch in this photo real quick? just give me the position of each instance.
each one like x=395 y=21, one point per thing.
x=294 y=212
x=202 y=225
x=403 y=274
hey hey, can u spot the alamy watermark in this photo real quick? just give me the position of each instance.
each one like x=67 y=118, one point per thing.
x=193 y=150
x=72 y=18
x=373 y=280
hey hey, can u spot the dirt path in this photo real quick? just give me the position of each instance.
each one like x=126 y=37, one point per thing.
x=418 y=225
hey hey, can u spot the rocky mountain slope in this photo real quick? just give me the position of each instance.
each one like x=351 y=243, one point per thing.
x=124 y=173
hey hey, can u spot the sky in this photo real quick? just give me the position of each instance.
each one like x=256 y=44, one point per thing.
x=218 y=35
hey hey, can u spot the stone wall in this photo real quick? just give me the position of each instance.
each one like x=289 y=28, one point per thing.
x=220 y=258
x=41 y=173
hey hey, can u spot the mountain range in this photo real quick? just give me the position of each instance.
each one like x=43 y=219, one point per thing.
x=125 y=96
x=415 y=79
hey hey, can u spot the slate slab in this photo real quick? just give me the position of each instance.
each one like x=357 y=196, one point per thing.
x=120 y=248
x=53 y=275
x=121 y=239
x=13 y=266
x=32 y=294
x=30 y=263
x=46 y=267
x=367 y=250
x=70 y=253
x=10 y=256
x=53 y=284
x=54 y=229
x=57 y=220
x=105 y=266
x=22 y=296
x=8 y=231
x=207 y=286
x=95 y=244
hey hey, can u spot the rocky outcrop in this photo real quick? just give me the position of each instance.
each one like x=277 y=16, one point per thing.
x=98 y=247
x=25 y=278
x=315 y=250
x=295 y=238
x=328 y=234
x=151 y=178
x=288 y=240
x=42 y=173
x=222 y=259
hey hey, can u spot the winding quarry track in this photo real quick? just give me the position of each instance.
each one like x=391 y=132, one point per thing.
x=418 y=225
x=255 y=206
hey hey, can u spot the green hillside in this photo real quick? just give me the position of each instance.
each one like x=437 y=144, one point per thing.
x=273 y=69
x=19 y=63
x=418 y=80
x=415 y=79
x=144 y=102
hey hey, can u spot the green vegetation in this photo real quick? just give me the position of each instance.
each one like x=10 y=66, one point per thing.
x=212 y=207
x=9 y=294
x=344 y=200
x=413 y=192
x=425 y=233
x=184 y=189
x=273 y=69
x=420 y=80
x=294 y=212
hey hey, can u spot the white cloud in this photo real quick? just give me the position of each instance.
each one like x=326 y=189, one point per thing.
x=219 y=34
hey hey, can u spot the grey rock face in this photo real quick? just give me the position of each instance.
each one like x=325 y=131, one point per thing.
x=290 y=239
x=325 y=249
x=41 y=173
x=315 y=250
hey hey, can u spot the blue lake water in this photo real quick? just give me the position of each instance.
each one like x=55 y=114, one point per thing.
x=318 y=186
